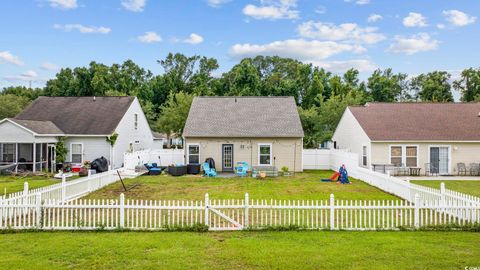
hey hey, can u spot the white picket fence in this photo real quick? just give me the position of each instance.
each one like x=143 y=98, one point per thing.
x=163 y=157
x=234 y=214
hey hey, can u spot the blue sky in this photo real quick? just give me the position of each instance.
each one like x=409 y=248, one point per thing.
x=40 y=36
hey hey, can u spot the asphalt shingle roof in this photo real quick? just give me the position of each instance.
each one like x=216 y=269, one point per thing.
x=243 y=117
x=39 y=127
x=79 y=115
x=419 y=121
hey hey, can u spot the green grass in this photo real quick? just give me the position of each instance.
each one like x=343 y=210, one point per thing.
x=240 y=250
x=305 y=185
x=471 y=187
x=12 y=184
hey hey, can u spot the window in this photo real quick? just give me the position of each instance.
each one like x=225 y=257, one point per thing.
x=364 y=155
x=396 y=156
x=411 y=156
x=77 y=152
x=8 y=152
x=193 y=153
x=265 y=154
x=135 y=121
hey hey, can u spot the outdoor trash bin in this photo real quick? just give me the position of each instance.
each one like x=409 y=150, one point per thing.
x=193 y=168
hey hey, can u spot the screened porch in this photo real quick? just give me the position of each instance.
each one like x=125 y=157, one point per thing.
x=32 y=157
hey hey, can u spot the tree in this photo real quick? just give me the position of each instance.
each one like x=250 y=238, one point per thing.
x=174 y=114
x=469 y=85
x=11 y=105
x=243 y=80
x=22 y=91
x=385 y=86
x=433 y=86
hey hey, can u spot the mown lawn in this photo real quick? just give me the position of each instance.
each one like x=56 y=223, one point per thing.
x=12 y=184
x=468 y=187
x=306 y=185
x=240 y=250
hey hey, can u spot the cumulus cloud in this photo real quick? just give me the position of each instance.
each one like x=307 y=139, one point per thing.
x=83 y=29
x=63 y=4
x=273 y=10
x=29 y=75
x=415 y=20
x=362 y=65
x=300 y=49
x=149 y=37
x=441 y=26
x=374 y=18
x=414 y=44
x=458 y=18
x=7 y=57
x=134 y=5
x=49 y=66
x=359 y=2
x=194 y=39
x=217 y=3
x=350 y=32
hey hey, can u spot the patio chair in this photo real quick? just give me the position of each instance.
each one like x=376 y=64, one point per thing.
x=241 y=169
x=430 y=169
x=209 y=172
x=401 y=170
x=461 y=168
x=474 y=169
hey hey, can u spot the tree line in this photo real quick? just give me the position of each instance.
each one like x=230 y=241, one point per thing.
x=321 y=96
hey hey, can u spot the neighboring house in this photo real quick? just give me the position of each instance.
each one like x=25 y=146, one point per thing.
x=262 y=131
x=161 y=141
x=158 y=140
x=432 y=136
x=84 y=122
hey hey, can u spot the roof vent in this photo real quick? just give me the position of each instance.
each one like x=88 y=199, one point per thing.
x=235 y=99
x=478 y=114
x=94 y=98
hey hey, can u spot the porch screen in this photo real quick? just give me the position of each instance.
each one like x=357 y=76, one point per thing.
x=8 y=152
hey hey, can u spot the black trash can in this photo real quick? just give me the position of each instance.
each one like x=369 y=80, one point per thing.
x=193 y=168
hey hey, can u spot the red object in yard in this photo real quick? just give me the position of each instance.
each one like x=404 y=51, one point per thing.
x=334 y=176
x=76 y=168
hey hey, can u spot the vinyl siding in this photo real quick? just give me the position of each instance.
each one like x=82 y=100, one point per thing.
x=93 y=147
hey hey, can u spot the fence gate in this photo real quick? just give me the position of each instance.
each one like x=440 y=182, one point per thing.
x=224 y=215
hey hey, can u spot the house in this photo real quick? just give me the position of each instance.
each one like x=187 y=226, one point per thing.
x=82 y=123
x=434 y=137
x=161 y=140
x=262 y=131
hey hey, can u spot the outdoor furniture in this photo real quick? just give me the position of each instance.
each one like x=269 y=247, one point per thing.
x=461 y=168
x=474 y=169
x=430 y=169
x=383 y=168
x=193 y=168
x=7 y=169
x=177 y=170
x=208 y=171
x=415 y=171
x=401 y=170
x=241 y=169
x=153 y=169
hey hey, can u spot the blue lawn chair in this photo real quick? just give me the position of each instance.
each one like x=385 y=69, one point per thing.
x=241 y=169
x=209 y=172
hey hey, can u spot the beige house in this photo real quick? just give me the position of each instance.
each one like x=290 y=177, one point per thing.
x=433 y=137
x=262 y=131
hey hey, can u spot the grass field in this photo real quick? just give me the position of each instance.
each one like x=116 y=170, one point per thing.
x=468 y=187
x=12 y=184
x=240 y=250
x=306 y=185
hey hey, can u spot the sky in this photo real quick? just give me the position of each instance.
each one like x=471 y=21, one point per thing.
x=38 y=37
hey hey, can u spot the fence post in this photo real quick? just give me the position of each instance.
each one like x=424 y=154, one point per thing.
x=332 y=211
x=89 y=184
x=39 y=210
x=64 y=187
x=246 y=211
x=25 y=195
x=416 y=214
x=122 y=210
x=207 y=202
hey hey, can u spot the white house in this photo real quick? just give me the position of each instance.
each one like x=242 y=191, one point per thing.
x=84 y=123
x=431 y=138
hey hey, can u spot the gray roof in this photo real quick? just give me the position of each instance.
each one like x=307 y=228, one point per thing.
x=79 y=115
x=243 y=117
x=39 y=127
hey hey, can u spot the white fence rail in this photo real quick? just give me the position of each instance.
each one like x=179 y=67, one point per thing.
x=234 y=214
x=163 y=157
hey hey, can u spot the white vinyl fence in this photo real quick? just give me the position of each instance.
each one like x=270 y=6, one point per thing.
x=163 y=157
x=235 y=214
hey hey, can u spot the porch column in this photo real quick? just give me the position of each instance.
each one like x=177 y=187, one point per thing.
x=16 y=157
x=34 y=157
x=41 y=156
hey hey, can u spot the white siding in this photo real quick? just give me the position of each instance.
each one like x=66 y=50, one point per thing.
x=93 y=147
x=10 y=132
x=127 y=134
x=350 y=136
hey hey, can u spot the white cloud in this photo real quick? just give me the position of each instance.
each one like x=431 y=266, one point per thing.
x=415 y=20
x=441 y=26
x=414 y=44
x=7 y=57
x=295 y=48
x=347 y=32
x=359 y=2
x=134 y=5
x=83 y=29
x=374 y=18
x=273 y=10
x=458 y=18
x=63 y=4
x=194 y=39
x=149 y=37
x=29 y=75
x=321 y=10
x=362 y=65
x=217 y=3
x=49 y=66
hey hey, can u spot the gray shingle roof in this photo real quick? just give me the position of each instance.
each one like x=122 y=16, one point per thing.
x=79 y=115
x=39 y=127
x=419 y=121
x=243 y=117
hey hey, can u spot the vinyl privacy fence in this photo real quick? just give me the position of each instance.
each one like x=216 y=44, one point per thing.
x=235 y=214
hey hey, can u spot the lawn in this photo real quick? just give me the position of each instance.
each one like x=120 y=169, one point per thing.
x=240 y=250
x=306 y=185
x=12 y=184
x=468 y=187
